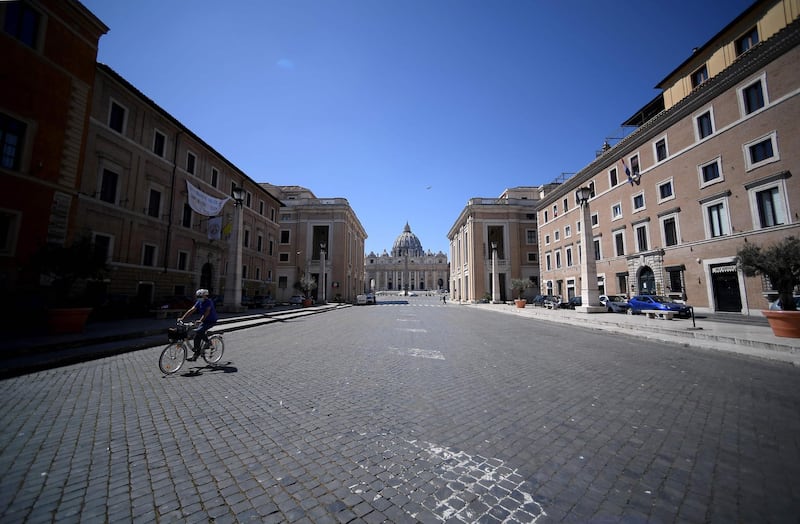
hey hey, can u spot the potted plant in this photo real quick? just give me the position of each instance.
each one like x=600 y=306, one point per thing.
x=519 y=285
x=307 y=284
x=780 y=263
x=63 y=272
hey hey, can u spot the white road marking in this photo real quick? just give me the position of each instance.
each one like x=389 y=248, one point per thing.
x=472 y=486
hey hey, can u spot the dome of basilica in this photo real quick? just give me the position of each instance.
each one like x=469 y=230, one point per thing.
x=407 y=244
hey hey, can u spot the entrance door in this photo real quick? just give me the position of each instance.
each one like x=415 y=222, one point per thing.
x=725 y=285
x=206 y=277
x=502 y=285
x=647 y=281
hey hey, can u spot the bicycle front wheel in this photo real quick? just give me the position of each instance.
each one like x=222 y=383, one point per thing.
x=172 y=358
x=213 y=354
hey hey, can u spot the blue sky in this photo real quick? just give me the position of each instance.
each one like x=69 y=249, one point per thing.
x=407 y=108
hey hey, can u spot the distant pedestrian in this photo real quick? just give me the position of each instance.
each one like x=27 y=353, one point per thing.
x=444 y=299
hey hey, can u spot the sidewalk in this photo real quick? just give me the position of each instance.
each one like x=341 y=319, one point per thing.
x=25 y=354
x=747 y=338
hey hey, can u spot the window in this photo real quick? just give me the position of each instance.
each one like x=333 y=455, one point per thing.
x=271 y=247
x=159 y=143
x=591 y=189
x=214 y=177
x=660 y=150
x=595 y=220
x=547 y=239
x=116 y=117
x=751 y=97
x=12 y=135
x=102 y=246
x=568 y=254
x=154 y=204
x=705 y=125
x=616 y=211
x=9 y=230
x=770 y=208
x=186 y=219
x=108 y=186
x=545 y=216
x=246 y=241
x=22 y=22
x=641 y=237
x=619 y=242
x=665 y=191
x=284 y=236
x=598 y=255
x=761 y=151
x=148 y=255
x=555 y=210
x=638 y=202
x=699 y=76
x=547 y=262
x=558 y=259
x=566 y=205
x=669 y=230
x=767 y=201
x=746 y=41
x=716 y=219
x=191 y=161
x=567 y=231
x=183 y=260
x=532 y=258
x=710 y=173
x=612 y=177
x=259 y=242
x=635 y=165
x=283 y=282
x=530 y=236
x=261 y=207
x=283 y=257
x=556 y=235
x=248 y=199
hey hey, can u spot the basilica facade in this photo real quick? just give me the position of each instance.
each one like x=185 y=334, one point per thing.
x=407 y=268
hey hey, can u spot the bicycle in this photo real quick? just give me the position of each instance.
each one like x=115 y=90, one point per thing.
x=174 y=355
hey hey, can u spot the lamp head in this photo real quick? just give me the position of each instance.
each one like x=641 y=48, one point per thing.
x=238 y=194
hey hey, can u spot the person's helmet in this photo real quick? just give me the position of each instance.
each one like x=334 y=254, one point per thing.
x=201 y=293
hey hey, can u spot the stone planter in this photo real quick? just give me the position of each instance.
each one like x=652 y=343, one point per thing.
x=784 y=323
x=520 y=302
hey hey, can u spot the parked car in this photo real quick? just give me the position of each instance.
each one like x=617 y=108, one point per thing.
x=371 y=298
x=361 y=300
x=538 y=300
x=572 y=303
x=615 y=303
x=640 y=303
x=776 y=306
x=552 y=301
x=297 y=299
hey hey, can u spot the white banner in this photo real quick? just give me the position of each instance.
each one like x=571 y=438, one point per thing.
x=215 y=228
x=204 y=204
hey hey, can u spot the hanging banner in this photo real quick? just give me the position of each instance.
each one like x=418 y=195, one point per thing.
x=215 y=228
x=204 y=204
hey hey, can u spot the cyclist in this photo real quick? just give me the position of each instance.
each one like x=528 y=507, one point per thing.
x=208 y=317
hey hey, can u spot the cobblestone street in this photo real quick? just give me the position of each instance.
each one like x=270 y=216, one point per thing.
x=407 y=412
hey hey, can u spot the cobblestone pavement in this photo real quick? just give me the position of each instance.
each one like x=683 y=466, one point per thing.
x=414 y=412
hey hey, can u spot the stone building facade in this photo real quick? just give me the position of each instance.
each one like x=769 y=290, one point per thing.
x=318 y=236
x=408 y=267
x=712 y=162
x=496 y=232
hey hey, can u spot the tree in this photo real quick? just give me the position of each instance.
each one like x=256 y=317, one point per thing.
x=780 y=263
x=519 y=285
x=307 y=284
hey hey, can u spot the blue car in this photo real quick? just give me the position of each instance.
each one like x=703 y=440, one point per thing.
x=641 y=303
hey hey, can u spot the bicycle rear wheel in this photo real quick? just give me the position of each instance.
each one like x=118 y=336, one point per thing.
x=213 y=354
x=172 y=358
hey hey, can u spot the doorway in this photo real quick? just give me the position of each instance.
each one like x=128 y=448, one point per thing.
x=725 y=286
x=647 y=281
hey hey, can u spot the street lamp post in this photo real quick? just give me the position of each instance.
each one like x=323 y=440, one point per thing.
x=233 y=282
x=495 y=280
x=590 y=297
x=322 y=272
